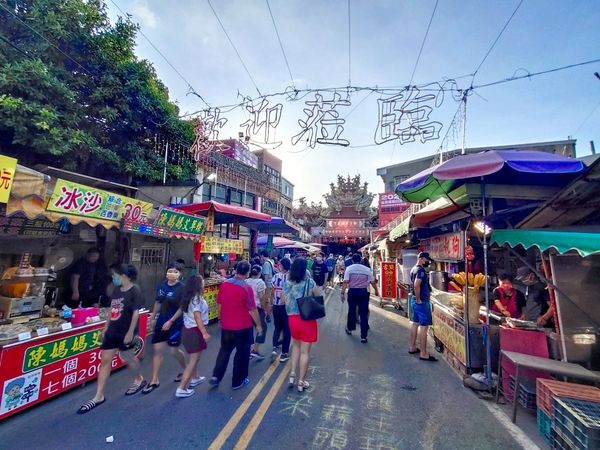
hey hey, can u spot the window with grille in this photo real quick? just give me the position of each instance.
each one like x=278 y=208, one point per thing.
x=153 y=255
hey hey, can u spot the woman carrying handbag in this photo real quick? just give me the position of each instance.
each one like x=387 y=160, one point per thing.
x=304 y=332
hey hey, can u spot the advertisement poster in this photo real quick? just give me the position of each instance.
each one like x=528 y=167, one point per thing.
x=390 y=207
x=446 y=247
x=84 y=201
x=38 y=369
x=210 y=295
x=8 y=166
x=451 y=333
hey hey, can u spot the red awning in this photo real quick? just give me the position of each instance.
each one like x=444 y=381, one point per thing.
x=224 y=213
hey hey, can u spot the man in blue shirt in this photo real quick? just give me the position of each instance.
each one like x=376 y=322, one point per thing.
x=421 y=307
x=330 y=262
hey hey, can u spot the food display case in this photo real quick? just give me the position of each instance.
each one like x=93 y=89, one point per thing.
x=46 y=357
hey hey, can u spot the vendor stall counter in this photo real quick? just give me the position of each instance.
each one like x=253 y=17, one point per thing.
x=34 y=369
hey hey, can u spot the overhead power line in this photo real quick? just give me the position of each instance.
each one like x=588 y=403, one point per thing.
x=423 y=43
x=190 y=87
x=15 y=47
x=234 y=47
x=497 y=39
x=586 y=119
x=281 y=45
x=3 y=6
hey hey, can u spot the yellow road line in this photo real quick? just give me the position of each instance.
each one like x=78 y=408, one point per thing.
x=242 y=409
x=246 y=436
x=258 y=417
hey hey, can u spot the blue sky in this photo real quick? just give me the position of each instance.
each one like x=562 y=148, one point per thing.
x=385 y=39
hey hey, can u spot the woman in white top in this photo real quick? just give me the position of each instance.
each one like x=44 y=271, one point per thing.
x=194 y=334
x=260 y=288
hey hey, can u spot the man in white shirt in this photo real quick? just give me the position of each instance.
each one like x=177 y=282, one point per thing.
x=357 y=278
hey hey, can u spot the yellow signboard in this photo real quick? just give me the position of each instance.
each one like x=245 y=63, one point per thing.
x=8 y=166
x=84 y=201
x=213 y=244
x=451 y=333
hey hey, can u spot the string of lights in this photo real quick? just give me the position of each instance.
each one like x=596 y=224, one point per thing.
x=191 y=89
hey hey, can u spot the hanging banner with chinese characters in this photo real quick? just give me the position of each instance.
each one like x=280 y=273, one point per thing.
x=179 y=223
x=72 y=199
x=8 y=166
x=387 y=285
x=37 y=369
x=210 y=221
x=213 y=244
x=446 y=247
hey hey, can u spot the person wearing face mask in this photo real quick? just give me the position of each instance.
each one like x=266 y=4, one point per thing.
x=421 y=308
x=166 y=331
x=119 y=334
x=319 y=272
x=508 y=301
x=537 y=300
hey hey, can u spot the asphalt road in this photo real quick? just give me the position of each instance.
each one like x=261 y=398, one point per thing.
x=362 y=397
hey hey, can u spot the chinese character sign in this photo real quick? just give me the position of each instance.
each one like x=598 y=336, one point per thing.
x=323 y=124
x=84 y=201
x=213 y=244
x=446 y=247
x=179 y=222
x=390 y=207
x=8 y=166
x=263 y=121
x=406 y=116
x=388 y=280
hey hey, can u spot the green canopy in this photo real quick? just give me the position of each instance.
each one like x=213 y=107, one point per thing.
x=584 y=243
x=400 y=230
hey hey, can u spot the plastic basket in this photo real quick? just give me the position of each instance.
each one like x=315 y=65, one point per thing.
x=527 y=396
x=578 y=422
x=544 y=426
x=560 y=442
x=547 y=389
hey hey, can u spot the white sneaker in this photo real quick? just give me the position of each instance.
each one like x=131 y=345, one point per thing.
x=196 y=381
x=182 y=393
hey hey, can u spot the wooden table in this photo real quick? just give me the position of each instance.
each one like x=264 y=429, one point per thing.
x=522 y=361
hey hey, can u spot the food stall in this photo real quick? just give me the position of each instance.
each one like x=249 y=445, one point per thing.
x=41 y=353
x=220 y=242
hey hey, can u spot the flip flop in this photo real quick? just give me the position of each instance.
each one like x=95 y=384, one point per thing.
x=150 y=388
x=135 y=388
x=414 y=352
x=430 y=358
x=88 y=406
x=178 y=378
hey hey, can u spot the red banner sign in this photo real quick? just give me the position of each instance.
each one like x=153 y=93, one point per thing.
x=388 y=282
x=37 y=369
x=390 y=207
x=446 y=247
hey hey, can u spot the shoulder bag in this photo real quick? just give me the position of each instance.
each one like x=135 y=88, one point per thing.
x=311 y=307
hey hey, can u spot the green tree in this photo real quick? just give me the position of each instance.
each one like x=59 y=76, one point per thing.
x=74 y=95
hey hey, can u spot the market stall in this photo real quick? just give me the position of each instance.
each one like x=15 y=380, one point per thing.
x=221 y=245
x=43 y=358
x=45 y=350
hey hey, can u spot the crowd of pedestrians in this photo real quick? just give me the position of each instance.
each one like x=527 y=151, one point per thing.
x=264 y=292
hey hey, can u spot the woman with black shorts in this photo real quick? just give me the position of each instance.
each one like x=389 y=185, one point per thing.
x=120 y=333
x=168 y=300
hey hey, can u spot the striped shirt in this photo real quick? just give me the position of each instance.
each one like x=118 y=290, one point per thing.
x=358 y=276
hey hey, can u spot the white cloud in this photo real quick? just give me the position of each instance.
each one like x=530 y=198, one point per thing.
x=146 y=16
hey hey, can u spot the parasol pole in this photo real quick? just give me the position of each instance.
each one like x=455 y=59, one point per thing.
x=464 y=131
x=488 y=344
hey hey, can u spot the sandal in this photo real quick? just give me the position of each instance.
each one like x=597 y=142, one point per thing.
x=150 y=388
x=414 y=352
x=292 y=379
x=429 y=358
x=178 y=378
x=135 y=388
x=303 y=386
x=88 y=406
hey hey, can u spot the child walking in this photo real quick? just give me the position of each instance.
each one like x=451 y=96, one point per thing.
x=194 y=334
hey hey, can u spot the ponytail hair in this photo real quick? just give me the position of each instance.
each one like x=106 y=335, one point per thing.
x=193 y=287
